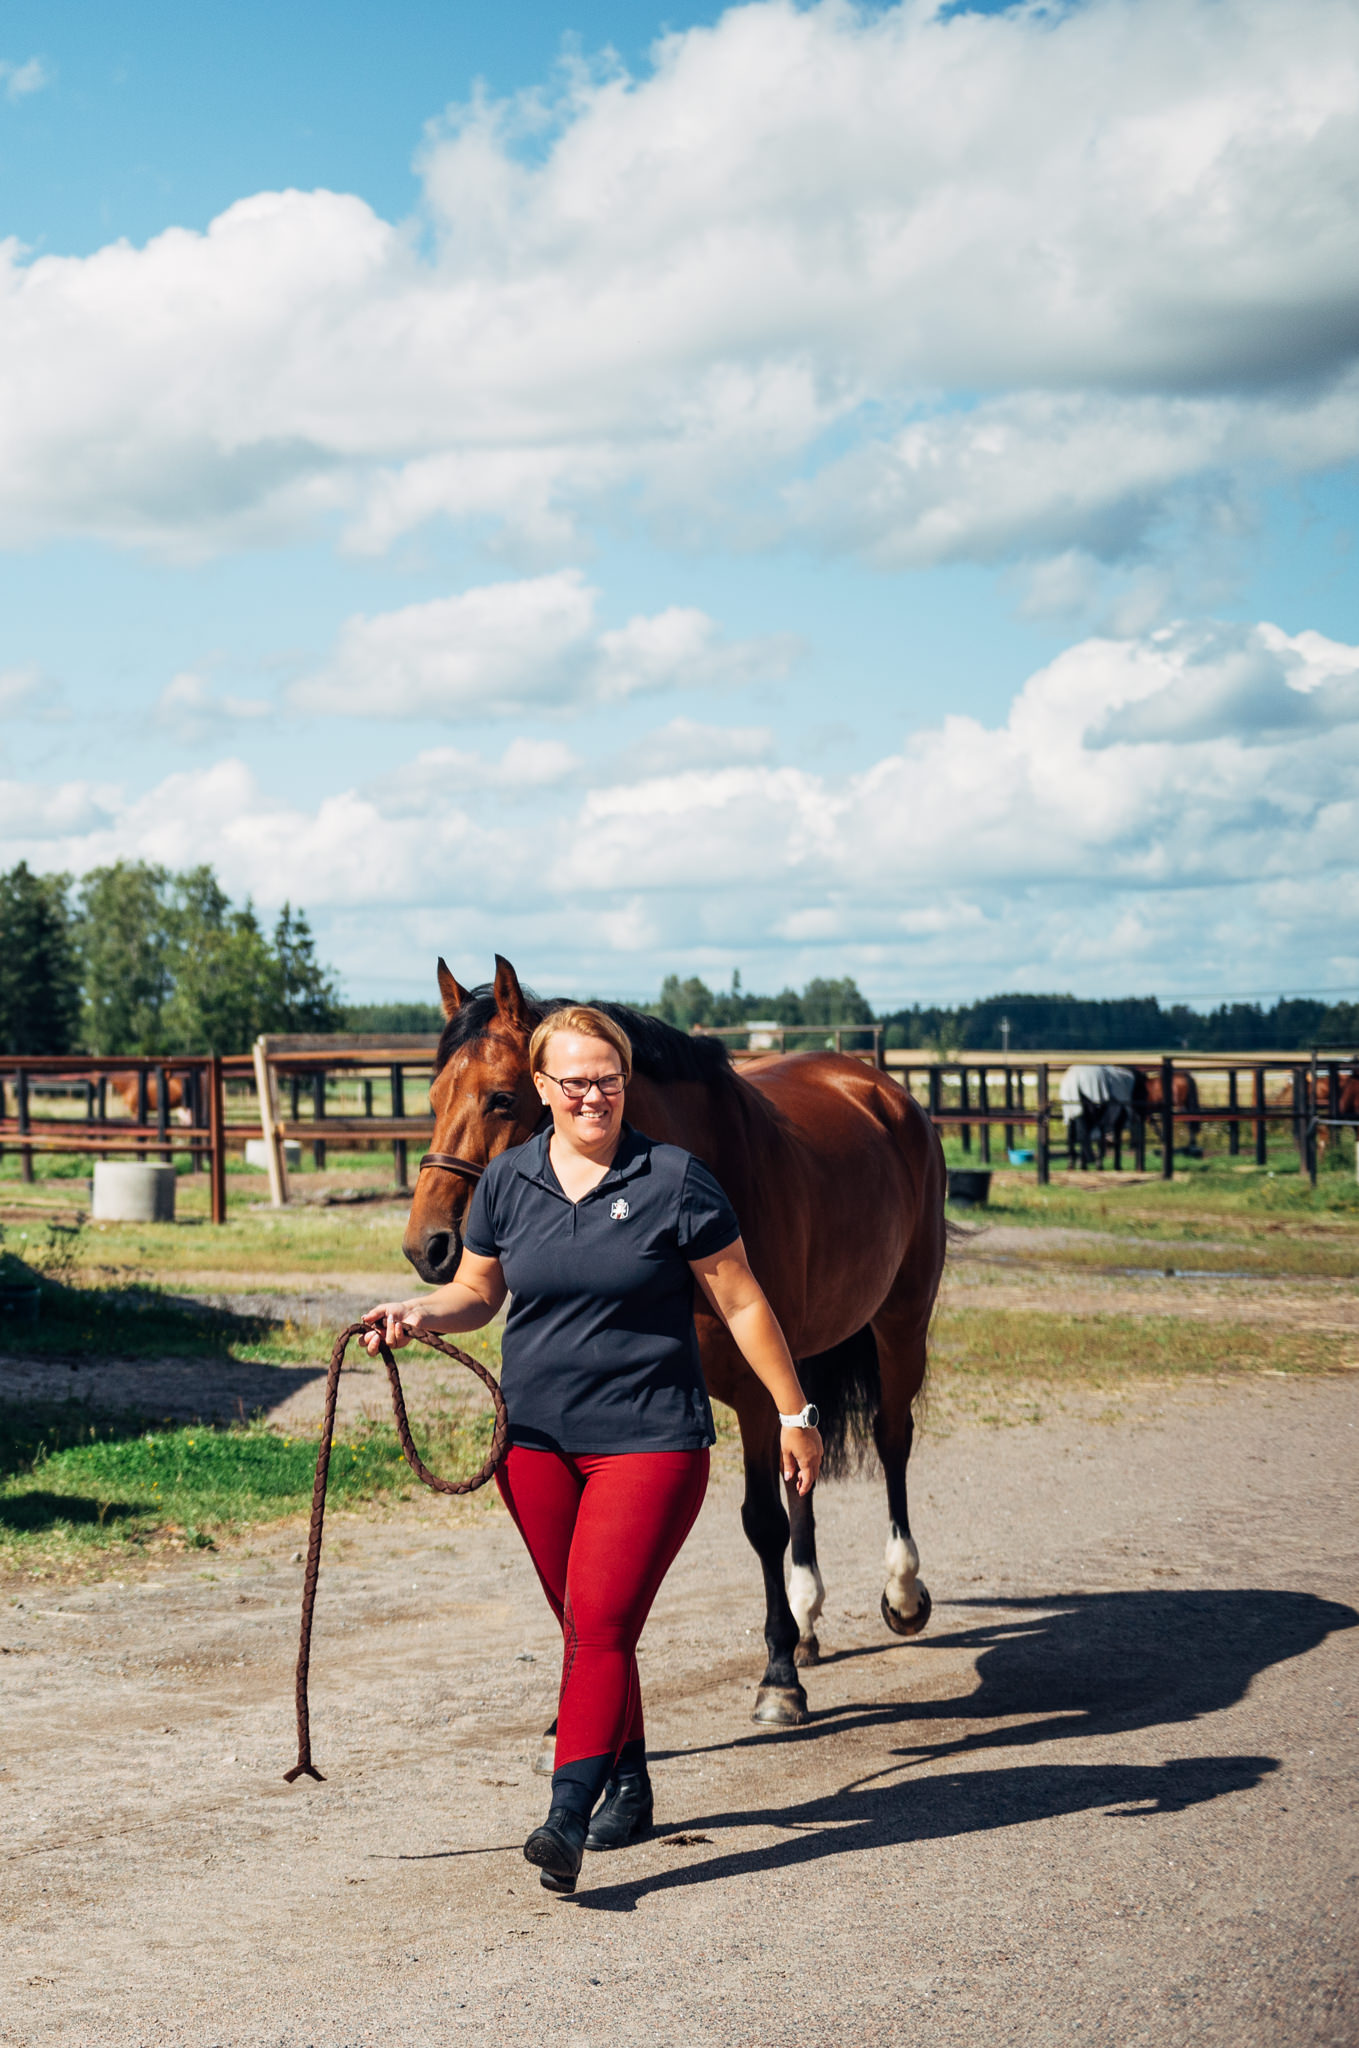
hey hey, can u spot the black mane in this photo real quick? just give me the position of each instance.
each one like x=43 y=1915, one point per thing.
x=659 y=1051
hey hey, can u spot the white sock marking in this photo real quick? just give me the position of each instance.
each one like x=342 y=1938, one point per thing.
x=806 y=1597
x=903 y=1574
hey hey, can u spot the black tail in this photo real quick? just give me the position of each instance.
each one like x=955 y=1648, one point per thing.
x=845 y=1386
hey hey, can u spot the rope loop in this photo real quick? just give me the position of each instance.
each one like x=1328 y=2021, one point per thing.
x=499 y=1444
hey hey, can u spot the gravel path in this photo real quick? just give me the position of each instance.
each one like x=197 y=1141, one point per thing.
x=1110 y=1795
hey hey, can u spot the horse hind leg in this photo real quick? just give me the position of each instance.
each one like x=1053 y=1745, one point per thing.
x=906 y=1601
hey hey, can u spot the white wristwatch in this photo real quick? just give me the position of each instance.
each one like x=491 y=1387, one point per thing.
x=806 y=1418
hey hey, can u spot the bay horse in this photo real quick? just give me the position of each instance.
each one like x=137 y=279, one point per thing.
x=1184 y=1091
x=837 y=1179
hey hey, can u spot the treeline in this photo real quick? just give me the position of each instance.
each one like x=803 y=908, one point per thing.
x=1066 y=1023
x=135 y=958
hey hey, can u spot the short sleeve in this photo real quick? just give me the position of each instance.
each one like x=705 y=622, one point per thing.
x=707 y=1221
x=479 y=1231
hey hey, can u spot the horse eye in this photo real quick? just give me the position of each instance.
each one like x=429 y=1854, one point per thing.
x=501 y=1104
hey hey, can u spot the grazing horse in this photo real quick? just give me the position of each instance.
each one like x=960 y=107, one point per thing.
x=1184 y=1091
x=1347 y=1105
x=1097 y=1103
x=837 y=1179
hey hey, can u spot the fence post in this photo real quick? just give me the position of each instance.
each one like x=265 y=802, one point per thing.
x=1009 y=1104
x=274 y=1156
x=163 y=1114
x=2 y=1114
x=1042 y=1147
x=984 y=1105
x=1233 y=1128
x=318 y=1110
x=1261 y=1122
x=932 y=1079
x=21 y=1104
x=1312 y=1108
x=399 y=1109
x=1332 y=1123
x=1167 y=1119
x=964 y=1104
x=217 y=1133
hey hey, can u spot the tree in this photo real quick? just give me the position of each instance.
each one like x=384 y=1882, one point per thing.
x=127 y=961
x=307 y=997
x=39 y=971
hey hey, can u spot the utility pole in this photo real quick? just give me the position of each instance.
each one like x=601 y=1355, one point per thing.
x=1005 y=1036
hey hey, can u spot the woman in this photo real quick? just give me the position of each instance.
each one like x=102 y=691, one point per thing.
x=598 y=1235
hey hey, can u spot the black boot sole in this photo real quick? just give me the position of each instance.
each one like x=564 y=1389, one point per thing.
x=545 y=1850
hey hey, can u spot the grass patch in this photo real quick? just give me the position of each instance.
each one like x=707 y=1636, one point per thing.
x=74 y=1483
x=1017 y=1344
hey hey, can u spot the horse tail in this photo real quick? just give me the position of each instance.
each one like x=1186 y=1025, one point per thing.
x=846 y=1387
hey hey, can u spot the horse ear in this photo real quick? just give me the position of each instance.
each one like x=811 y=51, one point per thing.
x=453 y=996
x=509 y=997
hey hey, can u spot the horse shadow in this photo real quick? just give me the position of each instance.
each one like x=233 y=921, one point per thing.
x=1074 y=1665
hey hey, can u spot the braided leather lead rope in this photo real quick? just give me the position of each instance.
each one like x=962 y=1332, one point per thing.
x=412 y=1456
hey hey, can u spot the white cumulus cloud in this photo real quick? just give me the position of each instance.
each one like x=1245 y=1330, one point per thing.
x=923 y=283
x=517 y=646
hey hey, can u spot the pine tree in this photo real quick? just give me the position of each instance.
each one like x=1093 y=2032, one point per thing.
x=39 y=974
x=308 y=999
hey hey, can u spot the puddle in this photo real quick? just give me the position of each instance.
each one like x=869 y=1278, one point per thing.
x=1188 y=1272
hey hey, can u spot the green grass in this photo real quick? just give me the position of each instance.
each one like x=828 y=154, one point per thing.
x=1100 y=1350
x=73 y=1483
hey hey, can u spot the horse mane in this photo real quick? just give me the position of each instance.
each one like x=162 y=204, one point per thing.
x=660 y=1052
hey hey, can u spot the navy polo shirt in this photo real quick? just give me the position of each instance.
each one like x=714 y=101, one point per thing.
x=600 y=1352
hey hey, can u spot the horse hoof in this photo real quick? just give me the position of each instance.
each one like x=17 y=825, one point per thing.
x=908 y=1624
x=807 y=1652
x=781 y=1706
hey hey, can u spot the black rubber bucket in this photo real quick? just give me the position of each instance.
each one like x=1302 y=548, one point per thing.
x=971 y=1184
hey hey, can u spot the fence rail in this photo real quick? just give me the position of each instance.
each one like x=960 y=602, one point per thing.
x=200 y=1106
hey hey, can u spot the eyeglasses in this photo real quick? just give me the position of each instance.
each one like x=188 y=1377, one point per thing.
x=575 y=1088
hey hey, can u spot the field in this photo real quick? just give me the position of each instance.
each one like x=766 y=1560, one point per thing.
x=168 y=1393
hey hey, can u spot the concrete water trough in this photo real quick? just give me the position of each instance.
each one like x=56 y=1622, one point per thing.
x=257 y=1154
x=133 y=1191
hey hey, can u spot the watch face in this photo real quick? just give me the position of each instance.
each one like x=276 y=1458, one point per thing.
x=813 y=1415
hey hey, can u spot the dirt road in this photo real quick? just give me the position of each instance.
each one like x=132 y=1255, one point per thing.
x=1109 y=1797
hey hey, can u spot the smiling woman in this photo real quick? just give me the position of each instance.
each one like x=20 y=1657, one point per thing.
x=601 y=1235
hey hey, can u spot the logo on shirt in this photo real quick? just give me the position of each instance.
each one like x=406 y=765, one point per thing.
x=619 y=1210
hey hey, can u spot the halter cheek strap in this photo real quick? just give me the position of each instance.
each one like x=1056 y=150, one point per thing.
x=449 y=1162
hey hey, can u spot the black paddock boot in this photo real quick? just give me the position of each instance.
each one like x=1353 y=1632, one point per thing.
x=556 y=1848
x=624 y=1814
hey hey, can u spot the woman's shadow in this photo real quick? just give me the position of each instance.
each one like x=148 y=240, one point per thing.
x=1080 y=1664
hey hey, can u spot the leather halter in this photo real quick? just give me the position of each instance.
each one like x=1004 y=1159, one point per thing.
x=449 y=1162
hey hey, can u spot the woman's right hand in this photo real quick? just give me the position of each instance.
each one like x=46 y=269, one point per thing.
x=396 y=1322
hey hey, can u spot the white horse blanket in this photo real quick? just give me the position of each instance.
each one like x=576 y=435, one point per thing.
x=1095 y=1084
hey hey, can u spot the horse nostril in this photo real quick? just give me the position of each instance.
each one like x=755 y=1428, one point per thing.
x=437 y=1247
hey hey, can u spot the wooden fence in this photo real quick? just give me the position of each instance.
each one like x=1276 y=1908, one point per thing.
x=154 y=1127
x=283 y=1091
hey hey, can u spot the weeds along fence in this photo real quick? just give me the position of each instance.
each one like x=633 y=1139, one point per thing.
x=368 y=1094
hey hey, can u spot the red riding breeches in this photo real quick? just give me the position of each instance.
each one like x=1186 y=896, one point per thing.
x=602 y=1532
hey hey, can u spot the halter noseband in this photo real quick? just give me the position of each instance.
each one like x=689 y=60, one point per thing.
x=449 y=1162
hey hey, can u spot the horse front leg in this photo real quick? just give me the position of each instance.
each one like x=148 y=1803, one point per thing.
x=806 y=1592
x=780 y=1700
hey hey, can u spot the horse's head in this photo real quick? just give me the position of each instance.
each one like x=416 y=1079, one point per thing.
x=483 y=1101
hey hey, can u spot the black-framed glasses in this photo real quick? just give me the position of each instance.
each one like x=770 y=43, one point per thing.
x=576 y=1087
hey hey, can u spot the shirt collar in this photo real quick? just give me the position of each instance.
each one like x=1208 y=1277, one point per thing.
x=632 y=1157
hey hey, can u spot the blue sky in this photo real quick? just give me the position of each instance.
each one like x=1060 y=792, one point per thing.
x=784 y=489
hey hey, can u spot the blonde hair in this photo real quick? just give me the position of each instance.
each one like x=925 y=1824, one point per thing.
x=587 y=1022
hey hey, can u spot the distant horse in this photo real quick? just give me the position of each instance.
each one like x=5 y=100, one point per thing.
x=1347 y=1096
x=1098 y=1103
x=1185 y=1096
x=126 y=1088
x=837 y=1178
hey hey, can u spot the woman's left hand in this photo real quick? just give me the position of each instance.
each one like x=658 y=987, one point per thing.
x=800 y=1455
